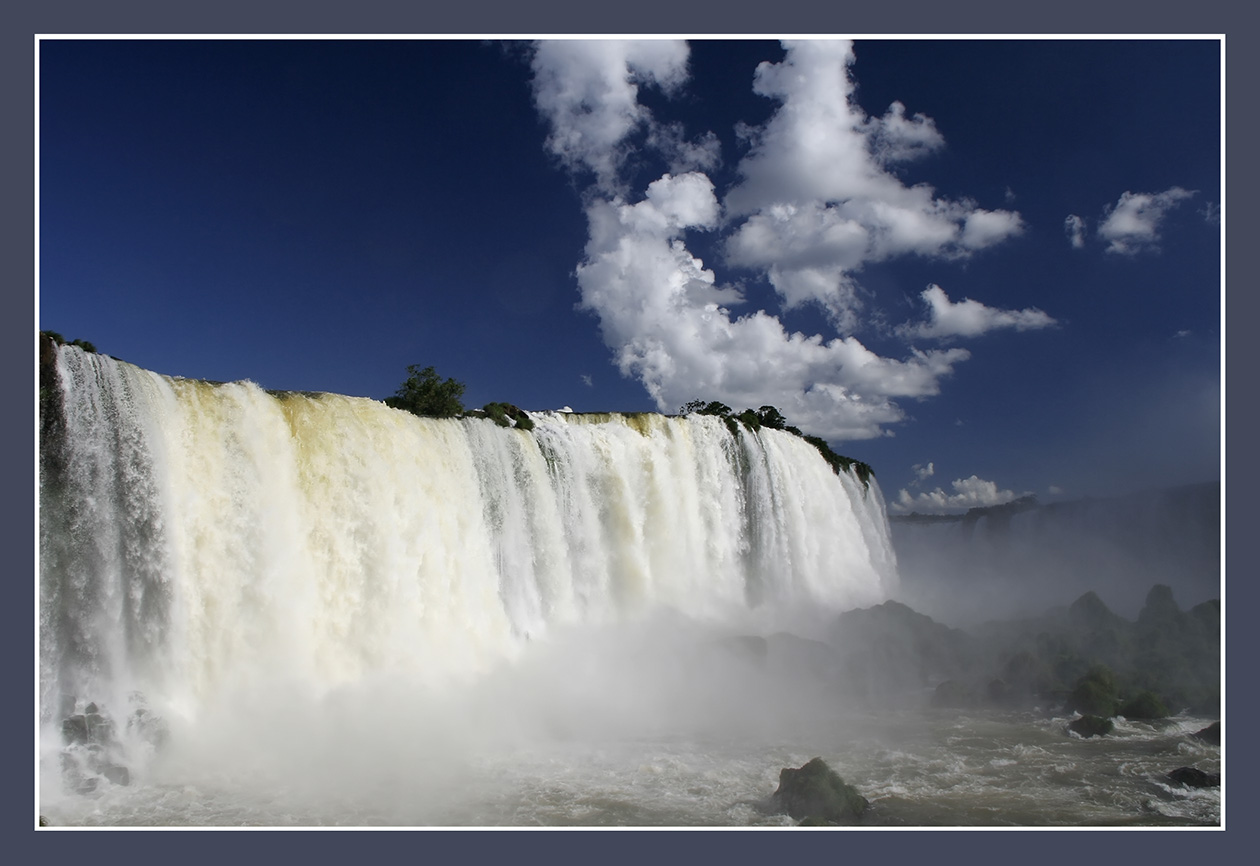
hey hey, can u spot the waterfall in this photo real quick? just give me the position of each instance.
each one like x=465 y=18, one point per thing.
x=196 y=537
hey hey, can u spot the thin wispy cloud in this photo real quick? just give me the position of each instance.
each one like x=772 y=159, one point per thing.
x=1074 y=227
x=969 y=318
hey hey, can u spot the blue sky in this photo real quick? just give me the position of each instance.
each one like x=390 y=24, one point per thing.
x=987 y=268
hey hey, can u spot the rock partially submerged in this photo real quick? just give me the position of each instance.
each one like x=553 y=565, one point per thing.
x=93 y=749
x=1193 y=777
x=1091 y=726
x=1210 y=734
x=815 y=795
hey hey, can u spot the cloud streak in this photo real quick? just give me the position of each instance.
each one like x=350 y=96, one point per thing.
x=969 y=318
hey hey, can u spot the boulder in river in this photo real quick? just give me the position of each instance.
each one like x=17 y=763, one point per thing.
x=815 y=794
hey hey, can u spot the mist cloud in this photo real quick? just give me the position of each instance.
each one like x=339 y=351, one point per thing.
x=814 y=202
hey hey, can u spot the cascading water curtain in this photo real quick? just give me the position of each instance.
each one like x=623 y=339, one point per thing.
x=195 y=537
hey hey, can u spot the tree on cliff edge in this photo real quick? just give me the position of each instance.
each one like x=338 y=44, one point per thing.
x=427 y=394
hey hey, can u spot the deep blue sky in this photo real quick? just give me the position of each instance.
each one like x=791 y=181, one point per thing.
x=317 y=215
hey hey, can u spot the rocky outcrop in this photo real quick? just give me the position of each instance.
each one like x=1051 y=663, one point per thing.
x=1210 y=734
x=92 y=751
x=1145 y=706
x=1091 y=726
x=890 y=649
x=1094 y=694
x=814 y=794
x=1193 y=777
x=92 y=748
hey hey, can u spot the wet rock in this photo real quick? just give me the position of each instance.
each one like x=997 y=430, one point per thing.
x=144 y=724
x=998 y=692
x=1091 y=726
x=116 y=773
x=1210 y=734
x=92 y=751
x=74 y=730
x=100 y=729
x=1195 y=778
x=814 y=793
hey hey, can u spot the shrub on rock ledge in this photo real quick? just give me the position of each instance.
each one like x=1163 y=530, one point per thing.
x=1145 y=706
x=1095 y=693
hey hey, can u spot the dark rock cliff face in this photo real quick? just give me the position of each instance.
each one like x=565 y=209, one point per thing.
x=51 y=409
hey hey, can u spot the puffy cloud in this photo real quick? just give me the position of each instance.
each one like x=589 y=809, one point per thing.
x=814 y=203
x=969 y=318
x=923 y=472
x=984 y=228
x=1131 y=225
x=1074 y=226
x=663 y=314
x=588 y=91
x=894 y=138
x=817 y=199
x=968 y=493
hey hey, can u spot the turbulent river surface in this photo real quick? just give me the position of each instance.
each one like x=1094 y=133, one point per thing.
x=278 y=609
x=916 y=767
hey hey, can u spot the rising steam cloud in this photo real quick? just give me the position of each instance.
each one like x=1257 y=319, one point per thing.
x=815 y=200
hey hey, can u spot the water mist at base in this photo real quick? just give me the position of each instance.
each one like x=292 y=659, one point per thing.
x=344 y=614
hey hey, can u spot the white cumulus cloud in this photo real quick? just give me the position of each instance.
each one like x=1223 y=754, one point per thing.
x=969 y=318
x=817 y=201
x=666 y=319
x=589 y=91
x=973 y=492
x=814 y=202
x=1131 y=225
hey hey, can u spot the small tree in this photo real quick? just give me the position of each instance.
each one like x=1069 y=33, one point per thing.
x=428 y=395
